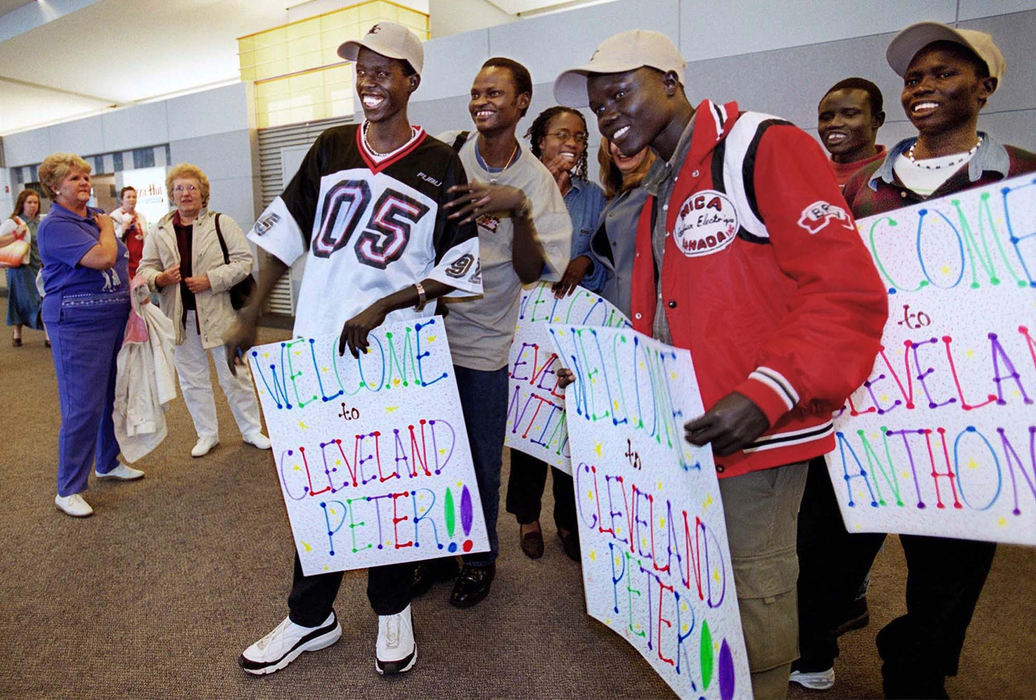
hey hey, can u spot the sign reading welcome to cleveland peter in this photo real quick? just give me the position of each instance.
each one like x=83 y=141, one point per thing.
x=655 y=559
x=371 y=453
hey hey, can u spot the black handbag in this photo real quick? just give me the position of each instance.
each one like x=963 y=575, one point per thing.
x=240 y=292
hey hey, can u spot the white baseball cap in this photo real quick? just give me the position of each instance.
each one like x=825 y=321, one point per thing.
x=388 y=39
x=623 y=52
x=907 y=43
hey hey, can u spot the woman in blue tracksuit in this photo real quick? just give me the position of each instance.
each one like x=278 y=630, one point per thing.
x=85 y=307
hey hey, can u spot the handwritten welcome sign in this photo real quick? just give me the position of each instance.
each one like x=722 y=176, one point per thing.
x=656 y=564
x=372 y=453
x=536 y=409
x=941 y=438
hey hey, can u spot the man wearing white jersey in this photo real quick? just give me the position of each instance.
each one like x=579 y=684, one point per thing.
x=366 y=209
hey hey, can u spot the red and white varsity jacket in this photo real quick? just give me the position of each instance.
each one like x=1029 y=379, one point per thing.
x=765 y=279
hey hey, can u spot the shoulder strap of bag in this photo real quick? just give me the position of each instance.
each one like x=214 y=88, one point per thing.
x=222 y=243
x=462 y=138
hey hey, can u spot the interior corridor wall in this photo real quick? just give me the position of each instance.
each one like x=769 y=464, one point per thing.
x=213 y=129
x=775 y=56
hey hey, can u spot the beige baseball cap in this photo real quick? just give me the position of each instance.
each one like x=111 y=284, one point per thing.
x=388 y=39
x=623 y=52
x=907 y=43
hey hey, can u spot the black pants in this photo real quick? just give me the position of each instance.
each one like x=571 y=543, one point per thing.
x=832 y=566
x=313 y=597
x=944 y=579
x=525 y=491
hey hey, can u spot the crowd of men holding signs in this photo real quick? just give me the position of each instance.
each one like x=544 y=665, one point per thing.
x=686 y=480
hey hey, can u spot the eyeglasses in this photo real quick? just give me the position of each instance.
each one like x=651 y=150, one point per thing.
x=185 y=188
x=564 y=135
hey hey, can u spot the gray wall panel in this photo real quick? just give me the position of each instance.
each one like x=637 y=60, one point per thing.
x=970 y=9
x=1014 y=34
x=449 y=65
x=220 y=155
x=27 y=147
x=441 y=115
x=125 y=129
x=790 y=82
x=211 y=112
x=711 y=29
x=233 y=197
x=227 y=160
x=1015 y=128
x=82 y=137
x=551 y=44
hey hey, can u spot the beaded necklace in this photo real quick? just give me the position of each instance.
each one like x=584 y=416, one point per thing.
x=949 y=164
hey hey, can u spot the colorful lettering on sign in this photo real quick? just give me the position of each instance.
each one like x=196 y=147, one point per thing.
x=939 y=440
x=371 y=452
x=655 y=560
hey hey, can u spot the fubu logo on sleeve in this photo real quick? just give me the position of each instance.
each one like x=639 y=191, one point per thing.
x=818 y=214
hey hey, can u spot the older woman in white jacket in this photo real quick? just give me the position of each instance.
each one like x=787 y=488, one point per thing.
x=183 y=261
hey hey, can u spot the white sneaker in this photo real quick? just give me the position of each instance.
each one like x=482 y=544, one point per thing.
x=74 y=505
x=204 y=446
x=285 y=643
x=257 y=440
x=814 y=680
x=123 y=472
x=396 y=650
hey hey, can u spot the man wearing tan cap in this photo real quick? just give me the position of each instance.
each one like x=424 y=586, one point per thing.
x=368 y=268
x=948 y=75
x=760 y=269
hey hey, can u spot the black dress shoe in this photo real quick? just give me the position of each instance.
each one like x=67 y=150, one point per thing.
x=472 y=585
x=531 y=543
x=430 y=572
x=570 y=543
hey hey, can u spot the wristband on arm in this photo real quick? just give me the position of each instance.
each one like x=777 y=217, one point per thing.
x=422 y=299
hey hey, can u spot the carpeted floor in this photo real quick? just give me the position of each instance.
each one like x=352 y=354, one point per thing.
x=157 y=594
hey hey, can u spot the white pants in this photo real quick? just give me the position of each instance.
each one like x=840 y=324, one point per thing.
x=192 y=367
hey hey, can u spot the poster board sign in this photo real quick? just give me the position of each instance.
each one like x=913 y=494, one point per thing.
x=656 y=563
x=941 y=438
x=372 y=454
x=535 y=407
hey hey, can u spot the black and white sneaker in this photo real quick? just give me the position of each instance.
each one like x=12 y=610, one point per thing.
x=396 y=650
x=285 y=643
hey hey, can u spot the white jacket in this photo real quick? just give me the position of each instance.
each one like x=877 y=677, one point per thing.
x=145 y=379
x=215 y=314
x=122 y=221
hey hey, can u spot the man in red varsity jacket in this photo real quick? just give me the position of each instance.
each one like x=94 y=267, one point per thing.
x=745 y=254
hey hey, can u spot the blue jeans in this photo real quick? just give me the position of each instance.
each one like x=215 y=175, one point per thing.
x=483 y=399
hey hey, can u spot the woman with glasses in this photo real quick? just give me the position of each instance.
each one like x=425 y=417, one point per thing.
x=183 y=260
x=559 y=138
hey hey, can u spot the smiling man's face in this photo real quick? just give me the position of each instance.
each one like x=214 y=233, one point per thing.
x=495 y=104
x=942 y=88
x=846 y=125
x=630 y=107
